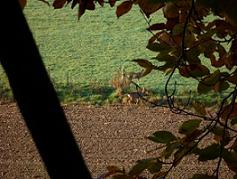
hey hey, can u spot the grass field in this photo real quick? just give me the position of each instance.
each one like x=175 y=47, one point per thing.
x=82 y=56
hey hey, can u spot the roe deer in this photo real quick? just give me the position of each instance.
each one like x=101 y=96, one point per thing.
x=136 y=97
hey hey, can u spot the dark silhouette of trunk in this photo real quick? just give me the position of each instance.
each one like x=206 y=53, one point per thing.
x=36 y=97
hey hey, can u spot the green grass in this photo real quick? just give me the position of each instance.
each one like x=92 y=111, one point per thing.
x=81 y=56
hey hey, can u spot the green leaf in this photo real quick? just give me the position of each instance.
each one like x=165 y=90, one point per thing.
x=203 y=88
x=197 y=70
x=153 y=165
x=124 y=8
x=189 y=126
x=199 y=108
x=164 y=137
x=209 y=153
x=230 y=159
x=212 y=78
x=165 y=57
x=158 y=47
x=220 y=135
x=121 y=176
x=179 y=154
x=161 y=1
x=170 y=149
x=201 y=176
x=224 y=86
x=178 y=29
x=114 y=169
x=159 y=175
x=234 y=121
x=232 y=79
x=218 y=130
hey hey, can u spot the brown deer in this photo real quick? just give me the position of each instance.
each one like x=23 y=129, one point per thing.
x=136 y=97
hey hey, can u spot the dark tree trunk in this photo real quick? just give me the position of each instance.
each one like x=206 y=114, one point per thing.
x=36 y=97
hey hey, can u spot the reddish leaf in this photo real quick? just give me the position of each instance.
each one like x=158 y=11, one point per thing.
x=154 y=38
x=184 y=71
x=194 y=70
x=112 y=3
x=214 y=62
x=157 y=26
x=114 y=169
x=232 y=79
x=90 y=5
x=233 y=47
x=144 y=63
x=171 y=10
x=74 y=3
x=22 y=3
x=200 y=108
x=178 y=29
x=101 y=2
x=166 y=39
x=234 y=145
x=165 y=57
x=149 y=7
x=158 y=47
x=197 y=70
x=124 y=8
x=221 y=86
x=45 y=1
x=82 y=8
x=57 y=4
x=171 y=22
x=229 y=111
x=221 y=50
x=227 y=59
x=230 y=159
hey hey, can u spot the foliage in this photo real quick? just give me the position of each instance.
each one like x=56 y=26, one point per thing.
x=179 y=41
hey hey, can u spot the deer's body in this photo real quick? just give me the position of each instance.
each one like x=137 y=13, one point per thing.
x=136 y=97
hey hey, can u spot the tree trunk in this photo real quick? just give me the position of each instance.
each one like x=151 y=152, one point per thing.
x=36 y=97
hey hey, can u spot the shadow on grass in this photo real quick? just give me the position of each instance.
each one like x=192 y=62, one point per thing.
x=99 y=94
x=93 y=94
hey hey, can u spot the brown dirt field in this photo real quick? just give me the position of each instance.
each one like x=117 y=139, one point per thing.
x=109 y=135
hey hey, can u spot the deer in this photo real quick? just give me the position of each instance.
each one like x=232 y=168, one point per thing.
x=136 y=97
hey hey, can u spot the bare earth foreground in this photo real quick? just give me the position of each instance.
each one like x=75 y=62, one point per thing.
x=112 y=135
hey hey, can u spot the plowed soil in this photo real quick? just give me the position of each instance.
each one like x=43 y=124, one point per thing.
x=108 y=135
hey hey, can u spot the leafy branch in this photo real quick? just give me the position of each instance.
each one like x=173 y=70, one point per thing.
x=179 y=42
